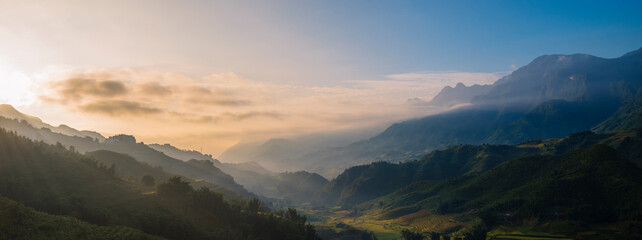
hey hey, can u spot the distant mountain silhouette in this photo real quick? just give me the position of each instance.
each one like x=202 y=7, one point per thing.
x=10 y=112
x=460 y=94
x=251 y=175
x=551 y=97
x=283 y=154
x=126 y=145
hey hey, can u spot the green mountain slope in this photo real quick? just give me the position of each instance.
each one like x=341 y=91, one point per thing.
x=301 y=187
x=254 y=177
x=552 y=119
x=596 y=184
x=52 y=179
x=363 y=183
x=20 y=222
x=627 y=117
x=139 y=151
x=128 y=168
x=251 y=175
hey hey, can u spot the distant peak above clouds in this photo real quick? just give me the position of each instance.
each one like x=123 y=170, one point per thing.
x=460 y=94
x=554 y=76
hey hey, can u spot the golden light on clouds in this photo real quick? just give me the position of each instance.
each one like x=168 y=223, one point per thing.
x=218 y=110
x=145 y=68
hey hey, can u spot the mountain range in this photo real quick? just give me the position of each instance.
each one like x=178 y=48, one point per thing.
x=49 y=191
x=557 y=141
x=125 y=145
x=551 y=97
x=10 y=112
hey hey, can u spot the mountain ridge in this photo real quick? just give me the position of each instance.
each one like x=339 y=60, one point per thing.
x=539 y=95
x=8 y=111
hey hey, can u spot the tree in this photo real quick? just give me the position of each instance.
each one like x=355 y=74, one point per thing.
x=174 y=187
x=292 y=215
x=254 y=205
x=434 y=236
x=112 y=169
x=147 y=180
x=410 y=235
x=210 y=201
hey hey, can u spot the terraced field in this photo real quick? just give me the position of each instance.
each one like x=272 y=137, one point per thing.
x=427 y=222
x=341 y=219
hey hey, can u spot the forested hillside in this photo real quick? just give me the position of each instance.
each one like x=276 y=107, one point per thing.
x=595 y=185
x=20 y=222
x=139 y=151
x=55 y=180
x=362 y=183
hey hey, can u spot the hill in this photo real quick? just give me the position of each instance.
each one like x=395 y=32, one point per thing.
x=10 y=112
x=131 y=170
x=55 y=180
x=285 y=154
x=362 y=183
x=595 y=185
x=21 y=222
x=301 y=187
x=181 y=154
x=250 y=175
x=139 y=151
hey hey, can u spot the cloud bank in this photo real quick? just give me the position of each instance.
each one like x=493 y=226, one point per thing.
x=218 y=110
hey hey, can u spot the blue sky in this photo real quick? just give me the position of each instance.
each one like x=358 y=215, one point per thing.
x=312 y=42
x=383 y=37
x=226 y=71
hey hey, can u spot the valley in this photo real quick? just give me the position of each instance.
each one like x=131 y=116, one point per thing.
x=320 y=120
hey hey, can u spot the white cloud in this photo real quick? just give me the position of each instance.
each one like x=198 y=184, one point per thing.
x=171 y=107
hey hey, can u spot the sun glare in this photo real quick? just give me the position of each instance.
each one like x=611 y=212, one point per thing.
x=16 y=87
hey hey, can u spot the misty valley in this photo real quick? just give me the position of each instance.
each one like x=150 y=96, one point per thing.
x=320 y=120
x=551 y=151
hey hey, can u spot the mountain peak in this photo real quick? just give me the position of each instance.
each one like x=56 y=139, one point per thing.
x=634 y=53
x=6 y=109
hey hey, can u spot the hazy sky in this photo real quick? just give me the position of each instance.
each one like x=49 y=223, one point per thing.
x=211 y=73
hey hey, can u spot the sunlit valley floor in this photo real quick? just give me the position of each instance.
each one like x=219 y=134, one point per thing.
x=551 y=151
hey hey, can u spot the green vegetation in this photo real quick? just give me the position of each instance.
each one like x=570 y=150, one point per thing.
x=129 y=169
x=628 y=117
x=52 y=179
x=596 y=185
x=138 y=151
x=251 y=175
x=20 y=222
x=362 y=183
x=148 y=180
x=301 y=187
x=562 y=187
x=410 y=235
